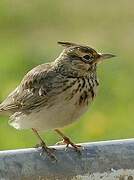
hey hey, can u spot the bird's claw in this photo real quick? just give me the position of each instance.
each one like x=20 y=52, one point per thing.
x=60 y=143
x=66 y=141
x=47 y=150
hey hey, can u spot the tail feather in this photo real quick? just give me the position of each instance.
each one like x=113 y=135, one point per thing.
x=7 y=109
x=1 y=110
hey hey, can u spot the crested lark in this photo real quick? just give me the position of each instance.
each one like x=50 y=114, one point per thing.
x=55 y=94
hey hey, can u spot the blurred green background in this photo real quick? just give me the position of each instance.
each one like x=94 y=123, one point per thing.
x=29 y=30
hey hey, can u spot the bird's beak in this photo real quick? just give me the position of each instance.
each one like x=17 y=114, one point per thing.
x=105 y=56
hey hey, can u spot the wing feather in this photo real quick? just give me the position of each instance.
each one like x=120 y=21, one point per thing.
x=31 y=92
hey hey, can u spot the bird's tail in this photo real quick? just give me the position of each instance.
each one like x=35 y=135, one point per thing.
x=1 y=110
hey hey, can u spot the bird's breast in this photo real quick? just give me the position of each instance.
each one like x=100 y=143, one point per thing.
x=83 y=91
x=63 y=108
x=75 y=99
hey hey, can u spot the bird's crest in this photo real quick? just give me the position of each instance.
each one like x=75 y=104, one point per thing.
x=67 y=44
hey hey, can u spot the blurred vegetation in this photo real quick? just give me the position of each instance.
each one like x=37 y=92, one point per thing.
x=29 y=30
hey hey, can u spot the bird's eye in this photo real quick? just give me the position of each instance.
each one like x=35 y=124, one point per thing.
x=87 y=57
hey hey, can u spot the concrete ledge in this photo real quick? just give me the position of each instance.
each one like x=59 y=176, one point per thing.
x=107 y=160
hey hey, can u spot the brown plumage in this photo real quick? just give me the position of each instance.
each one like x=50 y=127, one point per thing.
x=55 y=94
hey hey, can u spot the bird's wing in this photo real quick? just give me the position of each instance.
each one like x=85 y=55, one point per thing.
x=34 y=90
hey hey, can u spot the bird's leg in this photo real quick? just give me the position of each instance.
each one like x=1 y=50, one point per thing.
x=48 y=150
x=67 y=141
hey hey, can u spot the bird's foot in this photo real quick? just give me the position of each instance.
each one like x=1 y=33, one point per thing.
x=47 y=150
x=66 y=141
x=43 y=145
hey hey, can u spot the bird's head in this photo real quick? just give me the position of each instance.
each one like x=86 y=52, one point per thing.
x=81 y=58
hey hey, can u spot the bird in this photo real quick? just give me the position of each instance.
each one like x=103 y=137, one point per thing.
x=53 y=95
